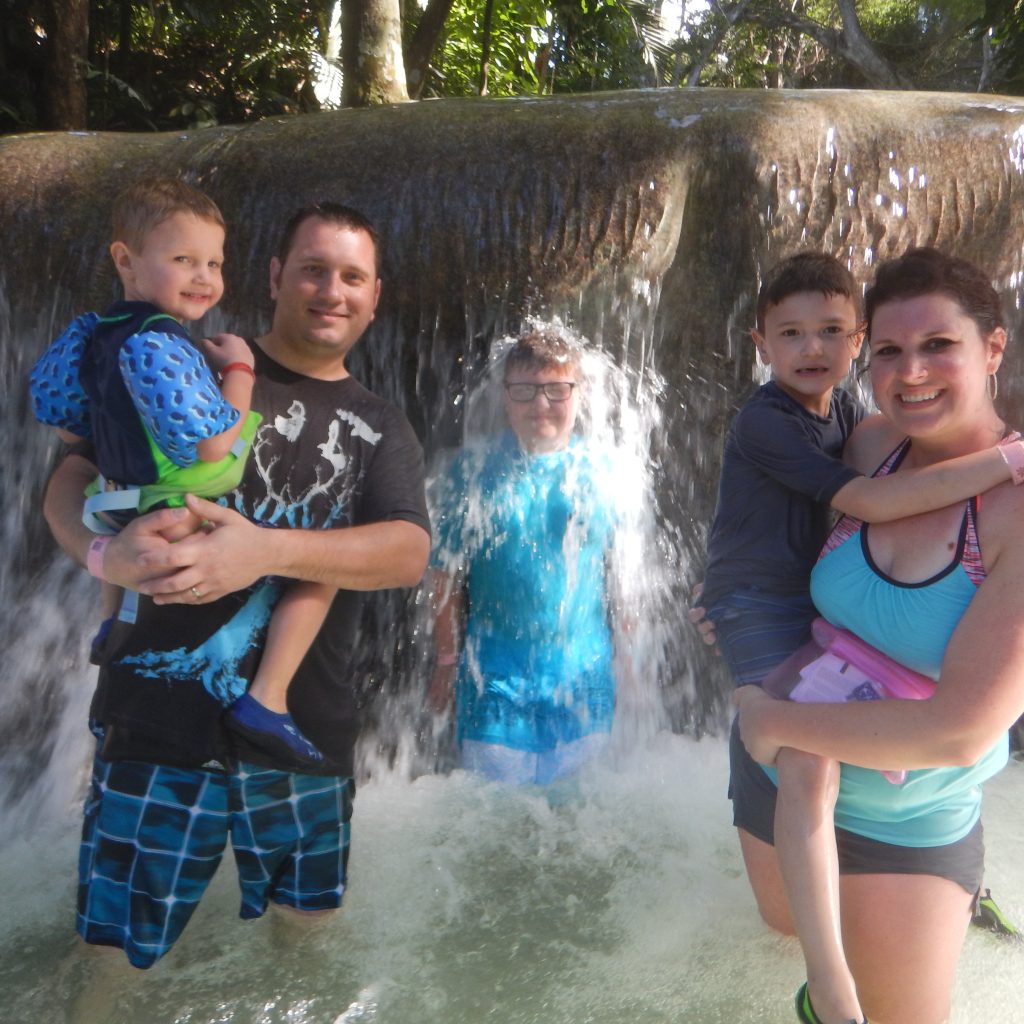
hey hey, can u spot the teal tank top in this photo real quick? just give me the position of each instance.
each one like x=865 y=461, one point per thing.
x=912 y=623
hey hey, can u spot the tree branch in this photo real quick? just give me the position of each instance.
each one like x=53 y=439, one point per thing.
x=730 y=16
x=422 y=45
x=849 y=43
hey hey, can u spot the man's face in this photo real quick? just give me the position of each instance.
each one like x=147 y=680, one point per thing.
x=326 y=292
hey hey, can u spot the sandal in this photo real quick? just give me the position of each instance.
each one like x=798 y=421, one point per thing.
x=987 y=915
x=805 y=1011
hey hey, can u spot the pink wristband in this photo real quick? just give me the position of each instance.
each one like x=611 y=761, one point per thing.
x=447 y=659
x=1013 y=456
x=94 y=556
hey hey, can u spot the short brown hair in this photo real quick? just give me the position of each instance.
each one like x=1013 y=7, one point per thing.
x=543 y=346
x=339 y=215
x=804 y=272
x=147 y=203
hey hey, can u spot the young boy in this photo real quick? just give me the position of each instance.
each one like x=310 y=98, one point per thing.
x=132 y=382
x=781 y=472
x=524 y=617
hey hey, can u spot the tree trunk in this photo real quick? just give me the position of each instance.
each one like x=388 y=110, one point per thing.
x=850 y=43
x=730 y=15
x=371 y=53
x=124 y=31
x=985 y=77
x=857 y=49
x=485 y=47
x=64 y=99
x=422 y=45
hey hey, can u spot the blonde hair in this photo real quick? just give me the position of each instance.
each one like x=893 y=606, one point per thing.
x=147 y=203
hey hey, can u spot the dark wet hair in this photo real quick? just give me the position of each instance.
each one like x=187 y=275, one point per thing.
x=804 y=272
x=543 y=347
x=334 y=213
x=148 y=202
x=926 y=271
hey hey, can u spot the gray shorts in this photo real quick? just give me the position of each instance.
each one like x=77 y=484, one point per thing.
x=753 y=796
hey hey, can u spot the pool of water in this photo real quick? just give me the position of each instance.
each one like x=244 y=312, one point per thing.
x=619 y=897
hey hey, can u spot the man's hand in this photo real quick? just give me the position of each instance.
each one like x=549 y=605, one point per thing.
x=754 y=706
x=221 y=558
x=131 y=557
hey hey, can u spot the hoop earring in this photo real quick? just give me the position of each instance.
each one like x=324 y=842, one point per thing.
x=992 y=386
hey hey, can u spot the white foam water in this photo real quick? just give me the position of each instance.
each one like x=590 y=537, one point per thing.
x=619 y=896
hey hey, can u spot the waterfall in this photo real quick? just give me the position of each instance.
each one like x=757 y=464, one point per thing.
x=644 y=220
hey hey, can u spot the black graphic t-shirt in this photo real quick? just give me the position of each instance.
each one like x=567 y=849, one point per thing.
x=328 y=454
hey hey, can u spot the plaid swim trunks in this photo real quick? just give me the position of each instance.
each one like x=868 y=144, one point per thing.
x=154 y=835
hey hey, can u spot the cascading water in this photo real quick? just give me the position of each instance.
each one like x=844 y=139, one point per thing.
x=642 y=220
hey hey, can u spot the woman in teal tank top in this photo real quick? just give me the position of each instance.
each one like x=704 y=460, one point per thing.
x=939 y=592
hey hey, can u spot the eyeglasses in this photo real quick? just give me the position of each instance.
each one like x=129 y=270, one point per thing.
x=554 y=391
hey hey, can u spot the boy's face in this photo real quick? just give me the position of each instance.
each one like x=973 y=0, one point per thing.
x=178 y=268
x=541 y=424
x=809 y=341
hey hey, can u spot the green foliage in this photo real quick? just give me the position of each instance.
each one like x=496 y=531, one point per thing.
x=606 y=44
x=1002 y=21
x=171 y=64
x=164 y=64
x=189 y=64
x=931 y=45
x=22 y=61
x=518 y=32
x=539 y=47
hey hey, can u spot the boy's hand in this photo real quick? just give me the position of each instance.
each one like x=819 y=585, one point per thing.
x=223 y=349
x=697 y=615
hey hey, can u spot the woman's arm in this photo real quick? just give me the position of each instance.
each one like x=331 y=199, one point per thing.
x=911 y=491
x=980 y=693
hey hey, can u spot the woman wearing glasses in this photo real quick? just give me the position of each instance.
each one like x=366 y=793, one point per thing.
x=520 y=588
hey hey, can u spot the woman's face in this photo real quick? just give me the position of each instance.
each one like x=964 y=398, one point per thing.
x=930 y=364
x=541 y=424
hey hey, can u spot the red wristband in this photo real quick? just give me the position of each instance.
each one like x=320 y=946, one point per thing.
x=1013 y=456
x=94 y=556
x=447 y=659
x=238 y=366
